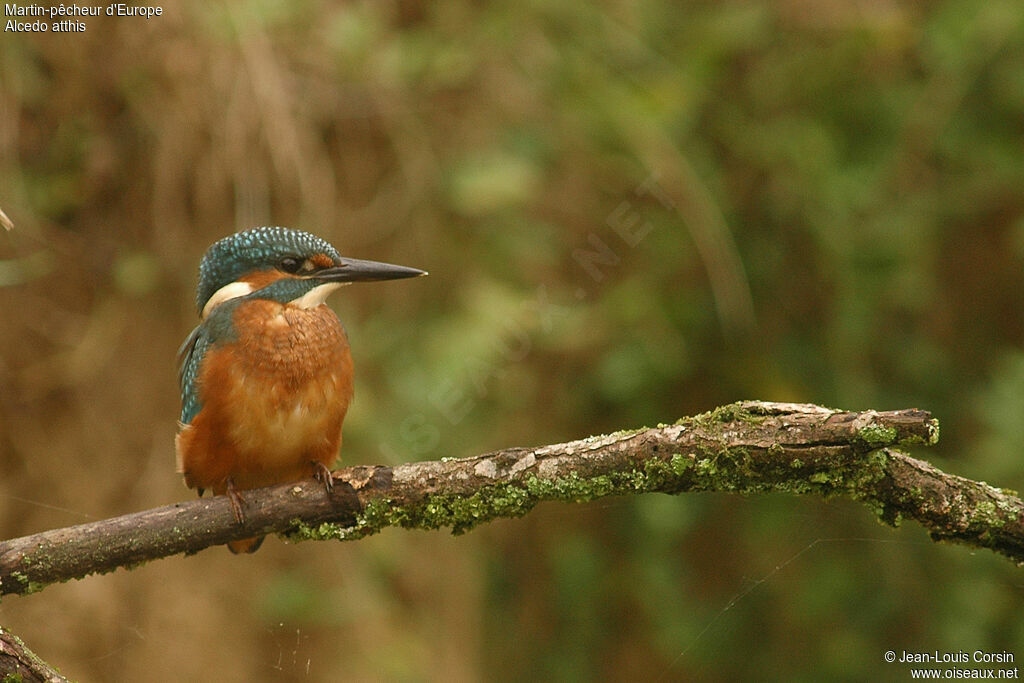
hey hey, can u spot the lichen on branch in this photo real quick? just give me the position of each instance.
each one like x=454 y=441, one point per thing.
x=750 y=447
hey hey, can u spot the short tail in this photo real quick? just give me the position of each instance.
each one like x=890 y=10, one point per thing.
x=246 y=545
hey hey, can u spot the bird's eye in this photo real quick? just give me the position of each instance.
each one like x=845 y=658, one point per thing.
x=290 y=265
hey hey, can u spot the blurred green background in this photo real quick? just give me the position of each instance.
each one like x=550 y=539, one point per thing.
x=631 y=212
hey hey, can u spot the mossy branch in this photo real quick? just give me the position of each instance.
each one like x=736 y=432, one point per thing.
x=748 y=447
x=18 y=663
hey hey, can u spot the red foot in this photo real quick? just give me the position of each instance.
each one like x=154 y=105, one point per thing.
x=236 y=502
x=322 y=473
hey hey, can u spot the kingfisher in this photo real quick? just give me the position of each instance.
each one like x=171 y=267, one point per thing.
x=266 y=376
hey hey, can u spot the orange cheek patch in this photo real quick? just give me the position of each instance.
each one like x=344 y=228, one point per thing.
x=261 y=278
x=322 y=261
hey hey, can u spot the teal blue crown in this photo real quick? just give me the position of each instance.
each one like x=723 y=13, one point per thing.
x=263 y=248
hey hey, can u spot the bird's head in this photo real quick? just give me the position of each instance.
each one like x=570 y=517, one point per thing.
x=284 y=265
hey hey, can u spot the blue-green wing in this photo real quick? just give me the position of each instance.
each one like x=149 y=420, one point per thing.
x=216 y=329
x=190 y=357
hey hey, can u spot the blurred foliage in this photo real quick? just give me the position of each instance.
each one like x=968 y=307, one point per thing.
x=631 y=212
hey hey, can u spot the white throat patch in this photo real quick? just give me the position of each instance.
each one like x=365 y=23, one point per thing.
x=317 y=295
x=310 y=299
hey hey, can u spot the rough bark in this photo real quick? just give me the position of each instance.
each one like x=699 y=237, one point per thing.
x=18 y=663
x=749 y=447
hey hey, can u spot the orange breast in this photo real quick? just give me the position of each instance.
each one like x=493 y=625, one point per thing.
x=273 y=401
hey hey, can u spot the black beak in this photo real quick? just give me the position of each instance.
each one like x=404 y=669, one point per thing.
x=356 y=270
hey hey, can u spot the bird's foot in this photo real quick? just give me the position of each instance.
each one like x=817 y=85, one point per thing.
x=236 y=501
x=322 y=473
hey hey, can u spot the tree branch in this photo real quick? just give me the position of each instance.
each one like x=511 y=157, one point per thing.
x=18 y=663
x=749 y=447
